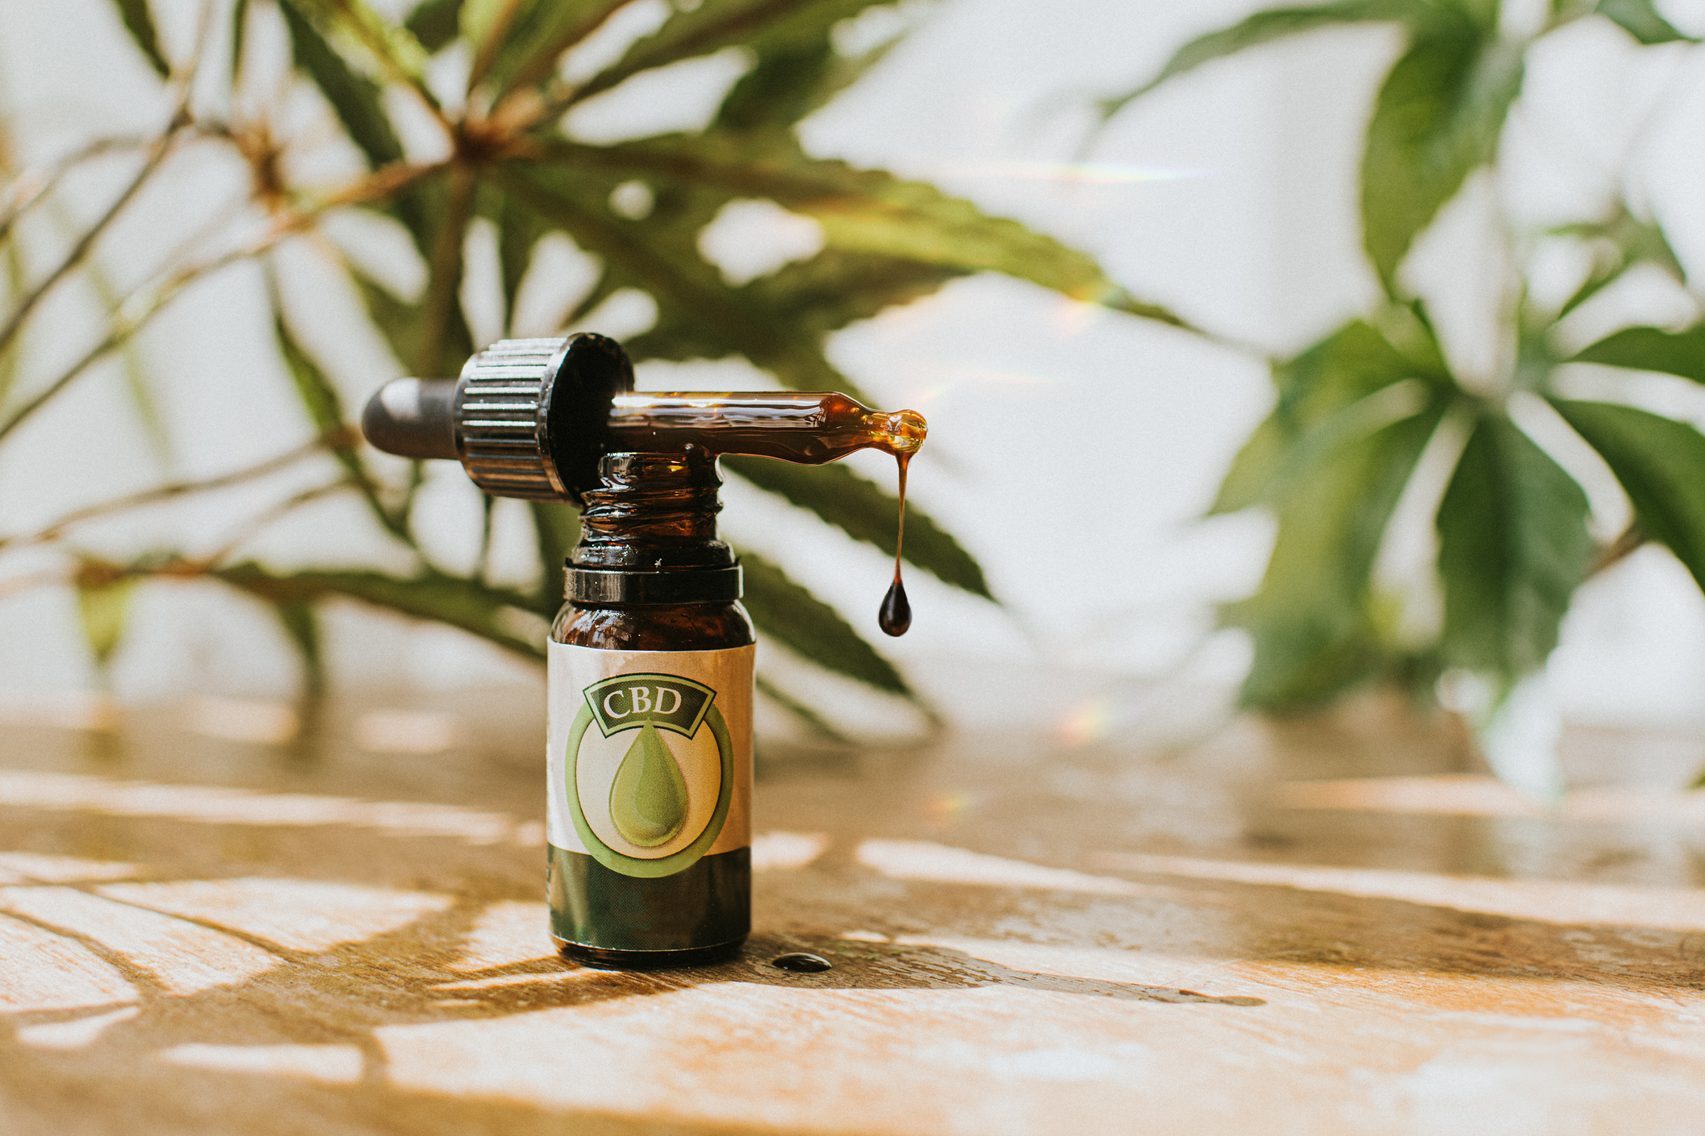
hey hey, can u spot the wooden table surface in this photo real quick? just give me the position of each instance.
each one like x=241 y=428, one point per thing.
x=1310 y=928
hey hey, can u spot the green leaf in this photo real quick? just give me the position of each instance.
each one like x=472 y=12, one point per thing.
x=1619 y=242
x=1641 y=19
x=1679 y=353
x=522 y=43
x=396 y=318
x=781 y=89
x=837 y=288
x=479 y=20
x=435 y=23
x=1608 y=266
x=1484 y=13
x=401 y=322
x=865 y=211
x=1661 y=466
x=354 y=29
x=519 y=230
x=791 y=80
x=819 y=295
x=1263 y=28
x=810 y=628
x=358 y=105
x=1311 y=617
x=239 y=38
x=496 y=615
x=103 y=608
x=139 y=22
x=325 y=410
x=301 y=626
x=866 y=513
x=759 y=25
x=482 y=559
x=353 y=97
x=1513 y=546
x=493 y=29
x=442 y=320
x=1437 y=118
x=665 y=262
x=1316 y=387
x=319 y=398
x=1642 y=239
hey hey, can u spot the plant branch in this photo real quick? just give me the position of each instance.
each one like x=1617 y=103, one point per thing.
x=79 y=251
x=14 y=585
x=259 y=522
x=380 y=183
x=179 y=566
x=31 y=187
x=171 y=490
x=446 y=269
x=158 y=151
x=1617 y=550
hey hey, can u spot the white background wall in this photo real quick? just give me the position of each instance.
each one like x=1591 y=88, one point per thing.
x=1071 y=449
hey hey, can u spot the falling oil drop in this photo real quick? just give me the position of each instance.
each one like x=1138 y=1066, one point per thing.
x=800 y=962
x=648 y=798
x=895 y=616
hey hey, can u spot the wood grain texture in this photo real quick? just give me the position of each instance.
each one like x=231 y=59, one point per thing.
x=1317 y=927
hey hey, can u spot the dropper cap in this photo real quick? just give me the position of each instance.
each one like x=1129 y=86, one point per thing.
x=528 y=417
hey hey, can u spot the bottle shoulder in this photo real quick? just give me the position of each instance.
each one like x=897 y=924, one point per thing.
x=677 y=627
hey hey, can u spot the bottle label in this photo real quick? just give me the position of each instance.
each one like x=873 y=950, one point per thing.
x=650 y=755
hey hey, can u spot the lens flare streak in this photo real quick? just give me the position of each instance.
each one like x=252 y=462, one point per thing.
x=1068 y=173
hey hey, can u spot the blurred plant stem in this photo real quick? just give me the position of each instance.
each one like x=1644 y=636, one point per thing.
x=342 y=438
x=136 y=310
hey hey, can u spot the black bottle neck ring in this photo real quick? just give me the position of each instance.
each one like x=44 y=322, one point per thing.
x=619 y=587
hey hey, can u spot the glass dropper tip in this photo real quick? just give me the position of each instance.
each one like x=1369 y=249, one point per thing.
x=905 y=431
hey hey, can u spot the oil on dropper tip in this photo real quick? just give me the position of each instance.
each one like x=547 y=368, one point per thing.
x=906 y=431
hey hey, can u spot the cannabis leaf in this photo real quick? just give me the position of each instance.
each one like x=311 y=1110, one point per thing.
x=1356 y=412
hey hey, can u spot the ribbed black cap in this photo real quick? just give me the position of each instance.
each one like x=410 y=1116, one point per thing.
x=531 y=414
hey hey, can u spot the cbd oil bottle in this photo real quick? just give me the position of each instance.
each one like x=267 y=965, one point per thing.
x=649 y=760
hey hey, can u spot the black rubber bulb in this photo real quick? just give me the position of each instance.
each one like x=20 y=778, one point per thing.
x=413 y=418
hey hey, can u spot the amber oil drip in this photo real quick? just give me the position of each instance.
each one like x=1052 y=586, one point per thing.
x=895 y=616
x=802 y=427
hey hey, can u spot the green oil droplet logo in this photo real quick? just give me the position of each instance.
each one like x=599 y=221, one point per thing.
x=648 y=799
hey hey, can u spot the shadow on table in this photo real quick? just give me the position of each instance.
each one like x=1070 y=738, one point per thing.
x=416 y=974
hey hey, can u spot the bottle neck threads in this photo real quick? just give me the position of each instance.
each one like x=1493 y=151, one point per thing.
x=648 y=534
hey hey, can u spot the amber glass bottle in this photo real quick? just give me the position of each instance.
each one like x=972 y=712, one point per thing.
x=649 y=756
x=650 y=751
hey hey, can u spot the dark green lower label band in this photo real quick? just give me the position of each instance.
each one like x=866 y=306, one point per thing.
x=705 y=904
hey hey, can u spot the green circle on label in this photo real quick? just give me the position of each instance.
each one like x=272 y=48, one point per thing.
x=663 y=865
